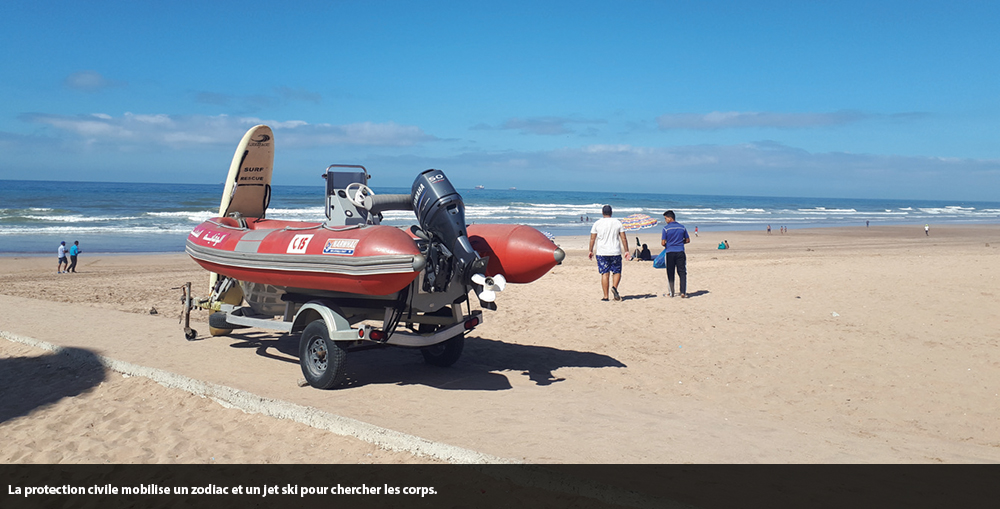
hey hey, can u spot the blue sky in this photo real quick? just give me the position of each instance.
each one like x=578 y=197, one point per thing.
x=828 y=99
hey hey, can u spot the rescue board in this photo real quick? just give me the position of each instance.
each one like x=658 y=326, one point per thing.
x=248 y=185
x=247 y=189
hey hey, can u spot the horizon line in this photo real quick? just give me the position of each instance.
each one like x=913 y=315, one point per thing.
x=533 y=190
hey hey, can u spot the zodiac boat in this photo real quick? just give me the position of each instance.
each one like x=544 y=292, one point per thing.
x=349 y=281
x=308 y=258
x=352 y=252
x=363 y=257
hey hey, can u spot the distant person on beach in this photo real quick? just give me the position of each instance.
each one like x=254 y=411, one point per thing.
x=611 y=244
x=695 y=231
x=61 y=253
x=674 y=237
x=866 y=224
x=927 y=230
x=74 y=251
x=768 y=229
x=724 y=244
x=645 y=255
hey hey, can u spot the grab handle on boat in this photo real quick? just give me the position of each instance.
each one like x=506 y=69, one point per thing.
x=383 y=202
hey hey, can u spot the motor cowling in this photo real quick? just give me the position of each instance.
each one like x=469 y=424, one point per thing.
x=440 y=212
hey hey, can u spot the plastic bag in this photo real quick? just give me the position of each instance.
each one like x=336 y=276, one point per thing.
x=660 y=262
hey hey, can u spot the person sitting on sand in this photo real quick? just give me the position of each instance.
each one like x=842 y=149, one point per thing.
x=644 y=254
x=724 y=244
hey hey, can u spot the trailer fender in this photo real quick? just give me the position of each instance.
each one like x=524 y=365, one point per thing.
x=338 y=326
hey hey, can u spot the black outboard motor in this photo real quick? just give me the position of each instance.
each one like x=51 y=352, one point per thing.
x=441 y=214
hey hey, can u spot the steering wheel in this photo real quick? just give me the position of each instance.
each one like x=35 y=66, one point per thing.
x=362 y=197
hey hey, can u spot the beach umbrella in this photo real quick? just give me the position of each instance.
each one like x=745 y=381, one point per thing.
x=637 y=222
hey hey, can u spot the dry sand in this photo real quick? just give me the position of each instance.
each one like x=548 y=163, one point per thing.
x=824 y=345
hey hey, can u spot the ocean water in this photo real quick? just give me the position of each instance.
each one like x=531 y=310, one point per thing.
x=132 y=217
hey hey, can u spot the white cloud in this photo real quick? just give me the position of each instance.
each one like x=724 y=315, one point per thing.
x=762 y=168
x=744 y=119
x=298 y=94
x=548 y=126
x=90 y=81
x=160 y=119
x=389 y=134
x=251 y=103
x=135 y=130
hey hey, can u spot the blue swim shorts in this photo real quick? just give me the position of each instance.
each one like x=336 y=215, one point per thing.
x=612 y=264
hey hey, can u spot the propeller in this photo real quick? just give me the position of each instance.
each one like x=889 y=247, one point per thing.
x=491 y=285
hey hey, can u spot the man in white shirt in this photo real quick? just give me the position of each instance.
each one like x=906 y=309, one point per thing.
x=61 y=253
x=611 y=244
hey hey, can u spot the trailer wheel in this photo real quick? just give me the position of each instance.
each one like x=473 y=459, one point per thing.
x=445 y=353
x=322 y=359
x=217 y=325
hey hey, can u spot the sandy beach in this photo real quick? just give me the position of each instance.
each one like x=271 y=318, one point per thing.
x=832 y=345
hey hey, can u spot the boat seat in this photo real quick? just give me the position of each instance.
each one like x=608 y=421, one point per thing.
x=232 y=222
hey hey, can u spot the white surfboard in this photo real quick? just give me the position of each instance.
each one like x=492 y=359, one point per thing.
x=248 y=185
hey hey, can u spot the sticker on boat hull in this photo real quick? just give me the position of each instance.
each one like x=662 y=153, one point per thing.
x=299 y=244
x=215 y=238
x=341 y=247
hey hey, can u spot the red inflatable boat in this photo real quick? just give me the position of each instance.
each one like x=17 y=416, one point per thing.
x=350 y=281
x=366 y=260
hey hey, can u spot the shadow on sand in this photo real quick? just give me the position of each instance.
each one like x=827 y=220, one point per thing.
x=640 y=296
x=28 y=383
x=478 y=369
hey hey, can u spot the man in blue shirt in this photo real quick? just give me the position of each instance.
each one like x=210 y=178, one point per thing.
x=73 y=252
x=674 y=237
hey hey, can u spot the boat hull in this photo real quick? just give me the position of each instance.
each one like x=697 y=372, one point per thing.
x=364 y=260
x=521 y=253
